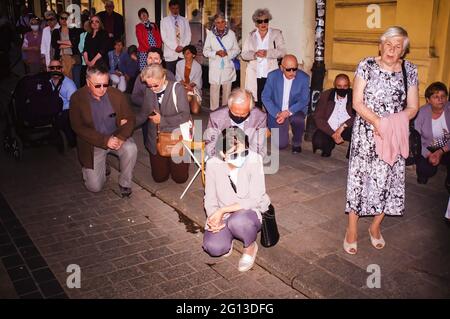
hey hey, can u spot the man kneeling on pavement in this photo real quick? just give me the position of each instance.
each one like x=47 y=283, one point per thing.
x=334 y=117
x=104 y=122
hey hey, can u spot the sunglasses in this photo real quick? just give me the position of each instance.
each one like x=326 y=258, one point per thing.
x=290 y=69
x=98 y=86
x=95 y=21
x=55 y=67
x=63 y=18
x=262 y=21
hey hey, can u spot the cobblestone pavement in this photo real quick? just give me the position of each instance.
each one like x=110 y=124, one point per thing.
x=126 y=248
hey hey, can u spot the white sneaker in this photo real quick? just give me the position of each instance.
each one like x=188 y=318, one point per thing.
x=246 y=262
x=228 y=254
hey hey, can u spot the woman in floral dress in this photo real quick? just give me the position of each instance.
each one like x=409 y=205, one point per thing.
x=374 y=188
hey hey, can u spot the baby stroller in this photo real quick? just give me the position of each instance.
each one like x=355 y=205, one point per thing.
x=31 y=116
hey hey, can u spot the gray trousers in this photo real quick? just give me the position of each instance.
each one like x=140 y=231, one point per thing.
x=94 y=179
x=214 y=95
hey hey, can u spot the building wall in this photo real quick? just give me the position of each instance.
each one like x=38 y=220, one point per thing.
x=349 y=37
x=295 y=18
x=131 y=8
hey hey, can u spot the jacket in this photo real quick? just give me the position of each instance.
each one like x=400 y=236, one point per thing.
x=272 y=95
x=83 y=124
x=119 y=27
x=169 y=38
x=142 y=37
x=325 y=108
x=277 y=50
x=74 y=37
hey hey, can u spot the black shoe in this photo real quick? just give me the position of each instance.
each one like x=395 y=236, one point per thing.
x=422 y=180
x=325 y=154
x=296 y=149
x=125 y=191
x=107 y=170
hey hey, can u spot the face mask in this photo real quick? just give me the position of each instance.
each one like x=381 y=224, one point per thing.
x=342 y=92
x=56 y=73
x=238 y=119
x=34 y=27
x=238 y=161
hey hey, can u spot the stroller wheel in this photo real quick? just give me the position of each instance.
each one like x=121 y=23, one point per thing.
x=16 y=148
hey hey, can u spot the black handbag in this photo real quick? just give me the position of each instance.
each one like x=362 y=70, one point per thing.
x=415 y=140
x=269 y=230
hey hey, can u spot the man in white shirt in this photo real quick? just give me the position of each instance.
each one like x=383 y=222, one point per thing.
x=176 y=34
x=334 y=117
x=46 y=42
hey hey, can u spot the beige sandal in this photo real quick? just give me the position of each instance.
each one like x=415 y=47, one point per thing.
x=377 y=243
x=350 y=248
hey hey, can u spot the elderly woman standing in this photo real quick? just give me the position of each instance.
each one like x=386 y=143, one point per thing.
x=374 y=188
x=221 y=47
x=262 y=49
x=235 y=197
x=161 y=110
x=148 y=36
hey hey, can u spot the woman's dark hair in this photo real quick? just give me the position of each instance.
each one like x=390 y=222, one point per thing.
x=191 y=49
x=174 y=3
x=132 y=49
x=435 y=87
x=229 y=137
x=161 y=55
x=142 y=10
x=118 y=41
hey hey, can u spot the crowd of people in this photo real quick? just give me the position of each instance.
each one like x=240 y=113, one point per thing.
x=165 y=81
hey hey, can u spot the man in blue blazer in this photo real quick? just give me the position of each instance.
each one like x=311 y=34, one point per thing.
x=286 y=97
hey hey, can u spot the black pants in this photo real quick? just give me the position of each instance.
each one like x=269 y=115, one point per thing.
x=324 y=142
x=83 y=75
x=260 y=83
x=172 y=66
x=63 y=123
x=425 y=170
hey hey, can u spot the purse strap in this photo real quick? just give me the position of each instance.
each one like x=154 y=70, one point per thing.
x=174 y=98
x=405 y=83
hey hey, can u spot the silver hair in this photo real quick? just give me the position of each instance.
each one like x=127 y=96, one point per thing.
x=261 y=13
x=96 y=70
x=153 y=71
x=219 y=15
x=49 y=14
x=396 y=31
x=240 y=96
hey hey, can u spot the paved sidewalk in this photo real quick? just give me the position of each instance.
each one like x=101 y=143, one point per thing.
x=308 y=193
x=126 y=248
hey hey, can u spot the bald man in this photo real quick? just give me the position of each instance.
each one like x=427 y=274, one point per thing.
x=286 y=97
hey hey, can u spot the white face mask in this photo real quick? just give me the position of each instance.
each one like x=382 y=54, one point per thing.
x=238 y=161
x=35 y=27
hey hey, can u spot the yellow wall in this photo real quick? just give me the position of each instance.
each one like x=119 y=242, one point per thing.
x=349 y=38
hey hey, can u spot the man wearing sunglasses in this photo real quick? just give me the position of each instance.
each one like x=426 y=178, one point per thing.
x=286 y=97
x=46 y=42
x=103 y=121
x=65 y=87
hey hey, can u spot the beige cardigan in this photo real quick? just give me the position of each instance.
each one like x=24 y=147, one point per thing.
x=277 y=50
x=251 y=187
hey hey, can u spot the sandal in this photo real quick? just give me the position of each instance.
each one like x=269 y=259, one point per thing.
x=377 y=243
x=350 y=248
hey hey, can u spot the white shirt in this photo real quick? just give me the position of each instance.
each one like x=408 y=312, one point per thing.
x=168 y=35
x=339 y=114
x=439 y=126
x=46 y=43
x=287 y=84
x=262 y=67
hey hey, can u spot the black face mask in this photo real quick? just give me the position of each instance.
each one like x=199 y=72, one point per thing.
x=342 y=92
x=55 y=73
x=238 y=119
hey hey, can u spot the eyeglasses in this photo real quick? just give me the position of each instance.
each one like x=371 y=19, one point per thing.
x=50 y=19
x=95 y=21
x=98 y=86
x=262 y=21
x=63 y=18
x=55 y=67
x=154 y=86
x=290 y=69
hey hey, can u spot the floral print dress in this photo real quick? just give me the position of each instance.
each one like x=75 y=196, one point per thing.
x=373 y=186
